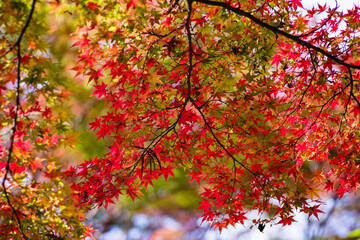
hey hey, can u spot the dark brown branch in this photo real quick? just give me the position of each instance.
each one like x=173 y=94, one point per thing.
x=188 y=31
x=276 y=30
x=17 y=105
x=352 y=87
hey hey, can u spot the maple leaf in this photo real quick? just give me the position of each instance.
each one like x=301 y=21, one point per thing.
x=16 y=168
x=71 y=139
x=168 y=171
x=166 y=22
x=37 y=163
x=276 y=60
x=314 y=210
x=134 y=192
x=341 y=191
x=286 y=221
x=356 y=111
x=92 y=6
x=95 y=75
x=188 y=117
x=204 y=204
x=296 y=3
x=200 y=21
x=313 y=192
x=89 y=232
x=131 y=3
x=100 y=90
x=196 y=175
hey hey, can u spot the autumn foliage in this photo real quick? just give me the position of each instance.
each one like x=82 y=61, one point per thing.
x=257 y=100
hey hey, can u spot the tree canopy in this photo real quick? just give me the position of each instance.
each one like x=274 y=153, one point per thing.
x=258 y=101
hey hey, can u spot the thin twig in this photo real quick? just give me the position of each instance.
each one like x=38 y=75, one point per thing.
x=224 y=148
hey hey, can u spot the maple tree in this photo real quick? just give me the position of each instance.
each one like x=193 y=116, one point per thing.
x=257 y=100
x=35 y=201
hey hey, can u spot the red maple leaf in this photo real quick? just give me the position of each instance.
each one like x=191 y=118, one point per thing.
x=296 y=3
x=166 y=22
x=92 y=6
x=100 y=90
x=131 y=3
x=286 y=220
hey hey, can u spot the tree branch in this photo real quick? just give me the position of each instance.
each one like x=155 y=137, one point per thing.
x=17 y=105
x=276 y=30
x=352 y=87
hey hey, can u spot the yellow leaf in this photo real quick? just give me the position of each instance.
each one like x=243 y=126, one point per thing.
x=313 y=193
x=71 y=139
x=155 y=78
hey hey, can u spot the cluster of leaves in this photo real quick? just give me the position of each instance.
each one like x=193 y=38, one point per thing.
x=243 y=94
